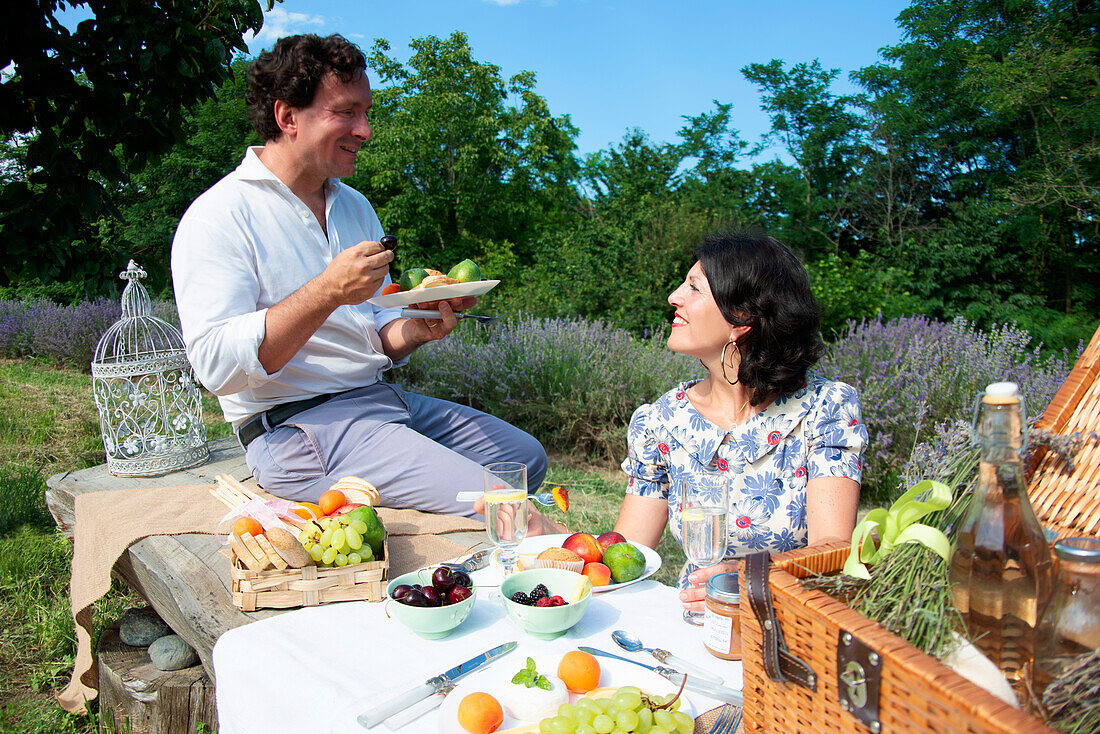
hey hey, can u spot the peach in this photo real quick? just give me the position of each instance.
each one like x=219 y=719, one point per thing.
x=597 y=573
x=585 y=546
x=609 y=539
x=345 y=509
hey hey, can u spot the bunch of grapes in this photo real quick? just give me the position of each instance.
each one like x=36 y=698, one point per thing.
x=336 y=541
x=627 y=710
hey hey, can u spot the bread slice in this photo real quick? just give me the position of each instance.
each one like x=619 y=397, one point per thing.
x=288 y=548
x=433 y=280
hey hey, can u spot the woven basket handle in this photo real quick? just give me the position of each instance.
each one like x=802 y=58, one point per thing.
x=779 y=663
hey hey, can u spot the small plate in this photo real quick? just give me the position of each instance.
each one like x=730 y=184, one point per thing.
x=539 y=543
x=431 y=295
x=613 y=674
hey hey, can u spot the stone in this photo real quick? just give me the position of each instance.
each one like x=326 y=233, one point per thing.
x=140 y=627
x=172 y=653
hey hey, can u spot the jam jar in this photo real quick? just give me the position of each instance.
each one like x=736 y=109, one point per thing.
x=722 y=617
x=1070 y=626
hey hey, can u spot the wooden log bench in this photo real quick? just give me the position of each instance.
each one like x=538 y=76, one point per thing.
x=185 y=578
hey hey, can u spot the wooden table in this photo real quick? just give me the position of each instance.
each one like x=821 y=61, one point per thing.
x=185 y=578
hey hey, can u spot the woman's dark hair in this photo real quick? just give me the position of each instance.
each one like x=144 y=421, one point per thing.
x=758 y=282
x=292 y=71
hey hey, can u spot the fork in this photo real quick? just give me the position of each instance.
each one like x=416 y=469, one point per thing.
x=728 y=720
x=416 y=313
x=546 y=499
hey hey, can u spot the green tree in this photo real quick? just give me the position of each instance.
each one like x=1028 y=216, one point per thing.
x=89 y=104
x=455 y=170
x=824 y=135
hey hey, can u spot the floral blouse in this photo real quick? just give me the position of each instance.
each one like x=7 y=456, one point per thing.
x=816 y=431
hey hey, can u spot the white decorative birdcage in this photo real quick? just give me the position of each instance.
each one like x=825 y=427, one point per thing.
x=150 y=411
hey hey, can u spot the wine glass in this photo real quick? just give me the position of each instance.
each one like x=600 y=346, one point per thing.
x=704 y=528
x=506 y=509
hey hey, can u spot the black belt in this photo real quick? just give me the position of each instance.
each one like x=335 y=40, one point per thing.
x=254 y=427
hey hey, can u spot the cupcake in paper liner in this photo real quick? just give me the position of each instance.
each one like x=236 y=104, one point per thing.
x=560 y=558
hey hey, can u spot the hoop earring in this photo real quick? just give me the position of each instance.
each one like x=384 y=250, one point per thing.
x=724 y=375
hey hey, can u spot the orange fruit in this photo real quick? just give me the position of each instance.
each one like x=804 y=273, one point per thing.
x=248 y=525
x=480 y=713
x=331 y=501
x=579 y=671
x=308 y=511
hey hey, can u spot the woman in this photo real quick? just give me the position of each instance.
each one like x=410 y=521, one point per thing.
x=790 y=443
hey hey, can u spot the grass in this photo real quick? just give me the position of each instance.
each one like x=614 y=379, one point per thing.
x=49 y=424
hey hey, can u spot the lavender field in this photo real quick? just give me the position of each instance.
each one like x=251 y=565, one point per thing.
x=574 y=383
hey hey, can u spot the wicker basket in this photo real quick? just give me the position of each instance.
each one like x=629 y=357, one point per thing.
x=309 y=586
x=916 y=693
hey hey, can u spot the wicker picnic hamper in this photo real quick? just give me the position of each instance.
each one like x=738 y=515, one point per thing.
x=888 y=685
x=309 y=586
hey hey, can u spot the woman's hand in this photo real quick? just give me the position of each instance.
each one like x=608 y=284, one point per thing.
x=694 y=595
x=537 y=523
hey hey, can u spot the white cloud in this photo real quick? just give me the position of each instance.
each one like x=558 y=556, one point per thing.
x=279 y=23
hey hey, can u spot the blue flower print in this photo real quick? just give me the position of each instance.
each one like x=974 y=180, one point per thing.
x=785 y=540
x=764 y=488
x=796 y=511
x=747 y=442
x=698 y=424
x=706 y=448
x=664 y=410
x=746 y=523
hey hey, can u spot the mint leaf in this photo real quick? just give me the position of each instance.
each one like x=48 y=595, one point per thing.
x=531 y=664
x=520 y=677
x=543 y=683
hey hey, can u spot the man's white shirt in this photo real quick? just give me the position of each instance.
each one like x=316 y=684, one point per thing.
x=243 y=246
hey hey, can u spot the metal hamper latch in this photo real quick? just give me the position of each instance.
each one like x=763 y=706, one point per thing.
x=859 y=679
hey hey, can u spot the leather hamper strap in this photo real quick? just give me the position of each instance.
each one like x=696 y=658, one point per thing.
x=779 y=663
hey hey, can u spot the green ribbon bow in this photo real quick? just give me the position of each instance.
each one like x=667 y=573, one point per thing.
x=899 y=525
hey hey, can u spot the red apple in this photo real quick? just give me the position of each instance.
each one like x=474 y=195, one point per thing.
x=585 y=546
x=345 y=509
x=597 y=573
x=610 y=538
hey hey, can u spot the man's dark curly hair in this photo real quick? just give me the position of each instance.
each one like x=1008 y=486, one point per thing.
x=758 y=282
x=292 y=71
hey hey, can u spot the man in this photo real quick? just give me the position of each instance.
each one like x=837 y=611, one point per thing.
x=272 y=267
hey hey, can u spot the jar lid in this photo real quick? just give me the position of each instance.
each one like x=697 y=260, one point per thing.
x=1080 y=549
x=723 y=587
x=1002 y=393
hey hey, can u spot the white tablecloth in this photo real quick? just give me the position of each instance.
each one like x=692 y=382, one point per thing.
x=315 y=669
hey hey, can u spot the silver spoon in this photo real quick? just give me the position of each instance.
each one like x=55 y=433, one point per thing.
x=630 y=643
x=416 y=313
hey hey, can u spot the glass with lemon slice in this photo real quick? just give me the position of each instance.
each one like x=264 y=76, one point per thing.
x=506 y=509
x=704 y=529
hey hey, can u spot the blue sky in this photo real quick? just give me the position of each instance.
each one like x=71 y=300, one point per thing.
x=613 y=65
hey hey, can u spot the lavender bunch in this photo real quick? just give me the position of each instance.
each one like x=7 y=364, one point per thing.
x=915 y=374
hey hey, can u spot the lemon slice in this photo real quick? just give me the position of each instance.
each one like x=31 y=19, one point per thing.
x=580 y=590
x=693 y=514
x=508 y=495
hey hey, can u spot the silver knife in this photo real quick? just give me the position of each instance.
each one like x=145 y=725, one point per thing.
x=693 y=683
x=441 y=683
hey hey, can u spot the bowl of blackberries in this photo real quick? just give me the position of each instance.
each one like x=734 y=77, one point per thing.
x=432 y=602
x=546 y=602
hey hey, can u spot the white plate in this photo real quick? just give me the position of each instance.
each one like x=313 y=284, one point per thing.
x=539 y=543
x=613 y=673
x=430 y=295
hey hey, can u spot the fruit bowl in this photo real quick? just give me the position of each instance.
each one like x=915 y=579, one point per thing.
x=428 y=622
x=546 y=623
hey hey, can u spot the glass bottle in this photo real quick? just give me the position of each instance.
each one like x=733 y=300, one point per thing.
x=1001 y=566
x=1070 y=626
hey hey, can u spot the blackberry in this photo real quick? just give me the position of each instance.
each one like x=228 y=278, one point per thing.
x=538 y=592
x=520 y=598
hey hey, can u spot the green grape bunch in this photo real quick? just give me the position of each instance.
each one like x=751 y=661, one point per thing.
x=337 y=541
x=626 y=710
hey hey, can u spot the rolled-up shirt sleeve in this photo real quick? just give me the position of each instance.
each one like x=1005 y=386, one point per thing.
x=644 y=465
x=837 y=437
x=217 y=294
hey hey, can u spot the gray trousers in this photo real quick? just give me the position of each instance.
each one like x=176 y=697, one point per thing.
x=418 y=451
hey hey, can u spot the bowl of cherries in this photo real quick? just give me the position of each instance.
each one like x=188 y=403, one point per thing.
x=432 y=602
